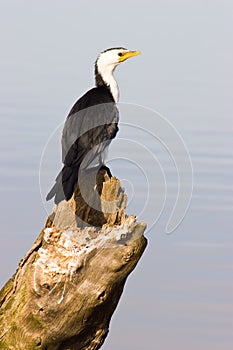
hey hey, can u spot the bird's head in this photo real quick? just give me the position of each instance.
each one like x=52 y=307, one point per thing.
x=114 y=56
x=109 y=59
x=105 y=64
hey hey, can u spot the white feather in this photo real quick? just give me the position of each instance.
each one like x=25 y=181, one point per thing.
x=106 y=64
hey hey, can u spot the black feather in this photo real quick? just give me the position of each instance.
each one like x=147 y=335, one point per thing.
x=88 y=130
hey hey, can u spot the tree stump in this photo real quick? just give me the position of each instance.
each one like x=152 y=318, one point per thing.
x=68 y=285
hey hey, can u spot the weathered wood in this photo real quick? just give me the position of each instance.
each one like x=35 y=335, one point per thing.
x=68 y=285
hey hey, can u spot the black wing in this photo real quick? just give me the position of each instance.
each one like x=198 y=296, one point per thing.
x=88 y=130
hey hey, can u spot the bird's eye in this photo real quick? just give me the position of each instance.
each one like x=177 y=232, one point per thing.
x=120 y=54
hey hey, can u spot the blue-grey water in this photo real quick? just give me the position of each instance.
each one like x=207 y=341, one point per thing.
x=180 y=296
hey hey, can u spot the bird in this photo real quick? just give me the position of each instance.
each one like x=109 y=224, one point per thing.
x=91 y=124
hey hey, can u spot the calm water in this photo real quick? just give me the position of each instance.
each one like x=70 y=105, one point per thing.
x=182 y=289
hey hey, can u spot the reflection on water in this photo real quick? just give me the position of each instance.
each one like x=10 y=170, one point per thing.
x=182 y=288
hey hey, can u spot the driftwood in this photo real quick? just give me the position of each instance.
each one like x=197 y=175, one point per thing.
x=68 y=285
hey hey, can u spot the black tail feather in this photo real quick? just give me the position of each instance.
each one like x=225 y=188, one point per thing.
x=64 y=185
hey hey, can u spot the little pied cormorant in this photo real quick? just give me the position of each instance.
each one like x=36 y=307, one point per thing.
x=90 y=125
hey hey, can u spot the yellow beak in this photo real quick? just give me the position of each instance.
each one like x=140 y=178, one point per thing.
x=128 y=54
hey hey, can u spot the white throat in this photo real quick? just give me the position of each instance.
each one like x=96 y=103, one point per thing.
x=106 y=73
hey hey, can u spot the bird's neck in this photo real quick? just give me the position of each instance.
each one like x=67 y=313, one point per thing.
x=104 y=76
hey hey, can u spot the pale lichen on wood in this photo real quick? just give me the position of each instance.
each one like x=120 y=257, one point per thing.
x=68 y=285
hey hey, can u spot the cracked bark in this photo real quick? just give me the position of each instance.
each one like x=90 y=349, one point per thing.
x=68 y=285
